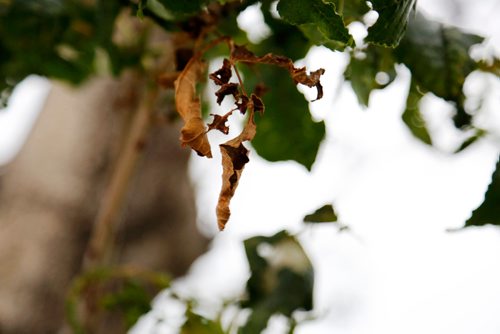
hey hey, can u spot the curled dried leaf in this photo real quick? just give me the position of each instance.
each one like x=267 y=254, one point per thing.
x=188 y=106
x=222 y=75
x=219 y=123
x=258 y=105
x=242 y=104
x=299 y=75
x=225 y=90
x=234 y=158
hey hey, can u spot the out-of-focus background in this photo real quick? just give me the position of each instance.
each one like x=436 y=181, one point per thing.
x=404 y=265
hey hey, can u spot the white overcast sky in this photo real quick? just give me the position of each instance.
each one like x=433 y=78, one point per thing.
x=398 y=271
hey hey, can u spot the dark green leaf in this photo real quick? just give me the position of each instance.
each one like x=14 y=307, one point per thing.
x=438 y=58
x=196 y=324
x=286 y=108
x=363 y=72
x=391 y=22
x=316 y=13
x=477 y=134
x=325 y=214
x=277 y=270
x=489 y=211
x=412 y=116
x=352 y=10
x=286 y=131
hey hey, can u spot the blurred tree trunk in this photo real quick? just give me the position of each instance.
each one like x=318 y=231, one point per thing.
x=51 y=193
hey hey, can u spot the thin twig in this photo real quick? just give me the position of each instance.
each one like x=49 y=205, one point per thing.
x=101 y=240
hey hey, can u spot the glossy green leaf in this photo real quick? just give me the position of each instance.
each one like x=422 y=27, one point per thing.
x=412 y=116
x=391 y=23
x=319 y=14
x=489 y=211
x=362 y=72
x=438 y=58
x=325 y=214
x=278 y=265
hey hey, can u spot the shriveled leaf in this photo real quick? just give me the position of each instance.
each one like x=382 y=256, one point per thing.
x=188 y=105
x=391 y=23
x=438 y=58
x=282 y=279
x=489 y=211
x=321 y=14
x=222 y=75
x=258 y=105
x=299 y=75
x=226 y=89
x=219 y=123
x=362 y=72
x=234 y=158
x=413 y=118
x=325 y=214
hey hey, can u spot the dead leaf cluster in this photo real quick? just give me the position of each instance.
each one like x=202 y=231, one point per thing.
x=194 y=131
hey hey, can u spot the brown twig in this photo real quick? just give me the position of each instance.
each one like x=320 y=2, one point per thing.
x=101 y=239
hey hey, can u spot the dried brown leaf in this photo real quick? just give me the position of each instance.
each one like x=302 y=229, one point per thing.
x=188 y=106
x=234 y=158
x=242 y=104
x=219 y=123
x=299 y=75
x=258 y=105
x=225 y=90
x=222 y=75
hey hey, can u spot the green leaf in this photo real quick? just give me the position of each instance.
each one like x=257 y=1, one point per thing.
x=278 y=265
x=316 y=13
x=489 y=211
x=352 y=10
x=325 y=214
x=286 y=131
x=412 y=116
x=392 y=21
x=196 y=324
x=363 y=72
x=438 y=58
x=286 y=107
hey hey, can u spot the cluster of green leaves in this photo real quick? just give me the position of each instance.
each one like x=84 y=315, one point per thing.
x=59 y=39
x=278 y=265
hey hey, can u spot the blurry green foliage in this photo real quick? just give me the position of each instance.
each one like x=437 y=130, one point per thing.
x=489 y=211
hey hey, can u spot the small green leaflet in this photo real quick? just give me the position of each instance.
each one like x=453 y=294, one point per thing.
x=412 y=116
x=489 y=211
x=438 y=58
x=279 y=266
x=392 y=20
x=319 y=15
x=325 y=214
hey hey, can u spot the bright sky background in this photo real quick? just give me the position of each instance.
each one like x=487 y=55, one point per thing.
x=399 y=270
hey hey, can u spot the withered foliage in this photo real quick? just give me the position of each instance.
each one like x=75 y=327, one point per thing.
x=189 y=107
x=299 y=75
x=194 y=132
x=234 y=158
